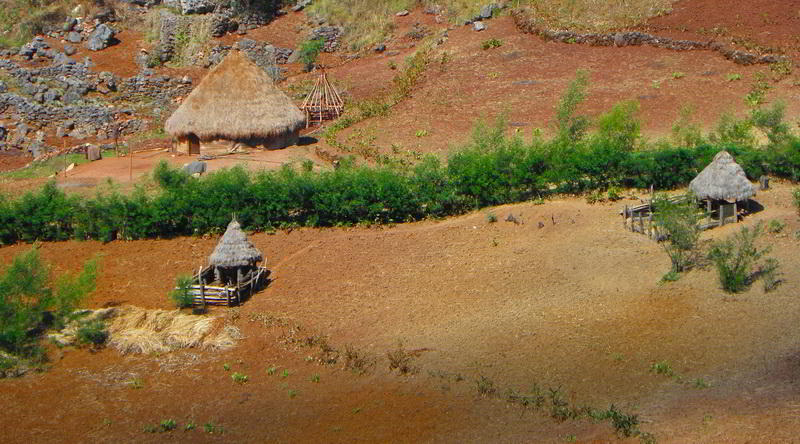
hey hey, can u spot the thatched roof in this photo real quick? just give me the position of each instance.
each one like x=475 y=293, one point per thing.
x=235 y=100
x=722 y=179
x=234 y=249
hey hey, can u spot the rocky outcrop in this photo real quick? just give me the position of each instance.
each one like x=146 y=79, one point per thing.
x=330 y=34
x=101 y=38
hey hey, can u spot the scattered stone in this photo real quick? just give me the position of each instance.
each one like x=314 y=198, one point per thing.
x=62 y=59
x=101 y=38
x=487 y=11
x=186 y=80
x=74 y=37
x=479 y=26
x=51 y=95
x=69 y=24
x=300 y=5
x=402 y=13
x=3 y=132
x=433 y=10
x=380 y=48
x=524 y=82
x=193 y=6
x=70 y=50
x=512 y=218
x=3 y=87
x=105 y=15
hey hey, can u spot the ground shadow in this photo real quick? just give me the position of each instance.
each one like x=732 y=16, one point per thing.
x=306 y=140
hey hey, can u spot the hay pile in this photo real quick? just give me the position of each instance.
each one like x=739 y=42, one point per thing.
x=137 y=330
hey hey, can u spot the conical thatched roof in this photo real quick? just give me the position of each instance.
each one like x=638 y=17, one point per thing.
x=234 y=249
x=236 y=100
x=722 y=179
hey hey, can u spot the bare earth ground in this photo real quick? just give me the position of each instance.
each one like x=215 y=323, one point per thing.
x=575 y=303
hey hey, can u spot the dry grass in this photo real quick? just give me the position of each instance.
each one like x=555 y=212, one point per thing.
x=371 y=21
x=140 y=331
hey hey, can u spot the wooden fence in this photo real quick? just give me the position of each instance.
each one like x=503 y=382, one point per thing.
x=225 y=295
x=639 y=218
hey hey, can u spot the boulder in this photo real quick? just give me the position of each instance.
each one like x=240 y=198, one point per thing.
x=101 y=38
x=196 y=6
x=74 y=37
x=105 y=15
x=3 y=87
x=195 y=167
x=478 y=26
x=27 y=52
x=3 y=132
x=402 y=13
x=51 y=95
x=93 y=153
x=487 y=11
x=70 y=50
x=69 y=24
x=300 y=5
x=380 y=48
x=62 y=59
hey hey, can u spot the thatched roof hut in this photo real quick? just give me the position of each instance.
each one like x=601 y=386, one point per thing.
x=722 y=179
x=234 y=249
x=236 y=101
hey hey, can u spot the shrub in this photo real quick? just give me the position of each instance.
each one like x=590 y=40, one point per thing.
x=309 y=51
x=775 y=226
x=491 y=43
x=572 y=127
x=770 y=275
x=679 y=222
x=181 y=295
x=31 y=301
x=239 y=378
x=619 y=127
x=796 y=198
x=92 y=333
x=735 y=258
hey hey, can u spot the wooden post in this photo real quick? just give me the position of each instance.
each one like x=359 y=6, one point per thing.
x=735 y=213
x=721 y=215
x=64 y=151
x=650 y=225
x=625 y=217
x=708 y=210
x=641 y=224
x=130 y=164
x=202 y=291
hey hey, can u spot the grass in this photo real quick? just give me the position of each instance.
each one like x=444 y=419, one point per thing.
x=239 y=378
x=491 y=43
x=49 y=167
x=662 y=368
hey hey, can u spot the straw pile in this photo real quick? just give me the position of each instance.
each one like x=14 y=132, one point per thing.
x=140 y=331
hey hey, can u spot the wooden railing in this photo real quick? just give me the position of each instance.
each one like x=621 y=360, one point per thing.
x=224 y=295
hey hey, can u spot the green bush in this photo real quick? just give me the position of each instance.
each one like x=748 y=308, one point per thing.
x=736 y=257
x=491 y=43
x=796 y=198
x=181 y=295
x=679 y=221
x=30 y=301
x=92 y=333
x=309 y=51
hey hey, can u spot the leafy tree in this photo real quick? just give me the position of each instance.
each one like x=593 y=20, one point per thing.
x=619 y=127
x=309 y=51
x=571 y=127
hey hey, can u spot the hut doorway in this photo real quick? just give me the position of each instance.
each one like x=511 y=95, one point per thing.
x=194 y=143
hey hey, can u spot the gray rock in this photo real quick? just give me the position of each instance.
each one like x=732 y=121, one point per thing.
x=196 y=6
x=38 y=97
x=74 y=37
x=3 y=87
x=101 y=38
x=300 y=5
x=69 y=24
x=195 y=167
x=433 y=9
x=487 y=11
x=37 y=149
x=380 y=48
x=3 y=132
x=27 y=52
x=105 y=15
x=70 y=50
x=62 y=59
x=51 y=95
x=402 y=13
x=478 y=26
x=71 y=96
x=221 y=25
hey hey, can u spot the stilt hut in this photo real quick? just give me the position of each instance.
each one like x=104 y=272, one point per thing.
x=234 y=256
x=724 y=187
x=323 y=102
x=236 y=103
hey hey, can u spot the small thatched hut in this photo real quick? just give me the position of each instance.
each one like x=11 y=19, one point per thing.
x=723 y=185
x=236 y=103
x=234 y=256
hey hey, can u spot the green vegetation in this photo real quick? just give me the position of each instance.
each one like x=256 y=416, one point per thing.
x=239 y=378
x=796 y=199
x=181 y=295
x=92 y=333
x=679 y=221
x=31 y=302
x=309 y=51
x=736 y=257
x=775 y=226
x=491 y=43
x=662 y=368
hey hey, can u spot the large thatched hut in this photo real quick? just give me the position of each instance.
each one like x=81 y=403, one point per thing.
x=236 y=103
x=234 y=256
x=723 y=186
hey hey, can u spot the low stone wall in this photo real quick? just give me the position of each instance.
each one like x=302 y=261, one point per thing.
x=527 y=24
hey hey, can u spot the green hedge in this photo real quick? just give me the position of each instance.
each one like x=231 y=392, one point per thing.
x=491 y=169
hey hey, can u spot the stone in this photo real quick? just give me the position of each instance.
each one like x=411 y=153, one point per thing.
x=70 y=50
x=105 y=15
x=380 y=48
x=101 y=38
x=478 y=26
x=619 y=39
x=62 y=59
x=186 y=80
x=433 y=10
x=195 y=167
x=488 y=11
x=51 y=95
x=300 y=5
x=93 y=153
x=221 y=25
x=402 y=13
x=27 y=52
x=70 y=167
x=3 y=132
x=69 y=24
x=74 y=37
x=196 y=6
x=3 y=87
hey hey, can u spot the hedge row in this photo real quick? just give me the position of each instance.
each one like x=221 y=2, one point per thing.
x=492 y=169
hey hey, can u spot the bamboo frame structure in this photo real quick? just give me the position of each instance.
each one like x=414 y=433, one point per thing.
x=323 y=102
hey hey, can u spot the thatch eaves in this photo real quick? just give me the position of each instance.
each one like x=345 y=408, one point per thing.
x=234 y=249
x=722 y=179
x=235 y=100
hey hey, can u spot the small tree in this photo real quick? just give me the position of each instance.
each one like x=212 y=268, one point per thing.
x=796 y=198
x=736 y=256
x=181 y=295
x=309 y=50
x=679 y=221
x=571 y=127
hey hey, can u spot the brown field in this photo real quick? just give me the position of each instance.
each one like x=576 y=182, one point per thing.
x=574 y=303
